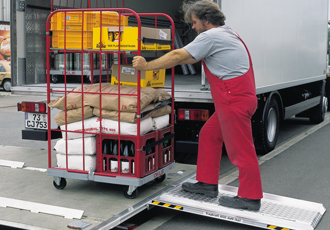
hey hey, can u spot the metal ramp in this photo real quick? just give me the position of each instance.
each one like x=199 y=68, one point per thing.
x=276 y=212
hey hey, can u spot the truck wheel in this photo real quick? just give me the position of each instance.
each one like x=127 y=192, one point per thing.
x=6 y=85
x=62 y=184
x=270 y=126
x=317 y=113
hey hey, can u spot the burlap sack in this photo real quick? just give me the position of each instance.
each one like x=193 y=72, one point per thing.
x=73 y=115
x=109 y=98
x=149 y=110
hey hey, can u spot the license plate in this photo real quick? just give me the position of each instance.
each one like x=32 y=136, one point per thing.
x=36 y=121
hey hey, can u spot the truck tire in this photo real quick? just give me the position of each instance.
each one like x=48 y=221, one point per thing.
x=317 y=113
x=6 y=85
x=270 y=126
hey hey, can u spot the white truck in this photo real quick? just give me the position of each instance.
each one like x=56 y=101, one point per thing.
x=288 y=44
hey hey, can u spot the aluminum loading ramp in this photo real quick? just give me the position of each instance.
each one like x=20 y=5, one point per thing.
x=276 y=212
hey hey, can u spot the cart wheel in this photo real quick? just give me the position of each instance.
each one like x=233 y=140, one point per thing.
x=132 y=196
x=160 y=178
x=62 y=184
x=54 y=79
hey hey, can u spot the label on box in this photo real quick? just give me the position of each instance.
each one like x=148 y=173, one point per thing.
x=162 y=34
x=127 y=70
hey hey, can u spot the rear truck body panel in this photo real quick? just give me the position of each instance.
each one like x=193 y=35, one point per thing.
x=287 y=40
x=39 y=135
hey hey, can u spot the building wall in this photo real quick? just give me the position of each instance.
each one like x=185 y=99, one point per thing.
x=5 y=10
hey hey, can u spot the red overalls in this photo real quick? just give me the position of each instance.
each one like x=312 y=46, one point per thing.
x=235 y=102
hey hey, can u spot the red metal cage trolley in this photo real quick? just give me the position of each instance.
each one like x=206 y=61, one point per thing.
x=94 y=147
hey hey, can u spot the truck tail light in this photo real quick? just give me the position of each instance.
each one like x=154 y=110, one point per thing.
x=193 y=114
x=32 y=107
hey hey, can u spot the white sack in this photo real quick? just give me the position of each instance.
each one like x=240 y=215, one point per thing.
x=111 y=127
x=89 y=126
x=75 y=162
x=75 y=146
x=108 y=126
x=161 y=122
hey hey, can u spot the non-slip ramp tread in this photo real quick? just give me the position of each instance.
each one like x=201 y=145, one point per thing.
x=276 y=212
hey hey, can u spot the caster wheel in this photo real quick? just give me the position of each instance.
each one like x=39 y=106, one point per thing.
x=160 y=178
x=54 y=79
x=62 y=184
x=132 y=196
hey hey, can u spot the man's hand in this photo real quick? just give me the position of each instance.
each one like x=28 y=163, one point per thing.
x=169 y=60
x=139 y=63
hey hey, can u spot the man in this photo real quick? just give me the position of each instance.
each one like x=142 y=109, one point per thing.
x=229 y=71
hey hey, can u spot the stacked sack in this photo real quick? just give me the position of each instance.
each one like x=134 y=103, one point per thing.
x=84 y=113
x=74 y=149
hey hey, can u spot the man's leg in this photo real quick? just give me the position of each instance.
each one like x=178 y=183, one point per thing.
x=208 y=162
x=209 y=151
x=235 y=108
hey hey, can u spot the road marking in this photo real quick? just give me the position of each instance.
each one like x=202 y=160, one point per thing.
x=18 y=164
x=12 y=164
x=233 y=174
x=36 y=169
x=68 y=213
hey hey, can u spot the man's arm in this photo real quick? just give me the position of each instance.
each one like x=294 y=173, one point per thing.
x=169 y=60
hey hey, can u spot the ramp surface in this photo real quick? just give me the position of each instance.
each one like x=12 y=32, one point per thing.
x=276 y=212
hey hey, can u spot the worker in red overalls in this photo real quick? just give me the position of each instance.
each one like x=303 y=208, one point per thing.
x=229 y=71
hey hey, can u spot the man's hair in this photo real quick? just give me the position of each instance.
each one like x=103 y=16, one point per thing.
x=204 y=10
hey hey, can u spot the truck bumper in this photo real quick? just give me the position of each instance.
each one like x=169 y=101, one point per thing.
x=186 y=147
x=39 y=135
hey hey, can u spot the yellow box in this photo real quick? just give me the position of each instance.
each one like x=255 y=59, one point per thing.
x=129 y=38
x=128 y=76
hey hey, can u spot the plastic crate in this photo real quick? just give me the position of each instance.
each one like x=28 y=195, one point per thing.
x=73 y=39
x=78 y=21
x=138 y=164
x=109 y=19
x=166 y=148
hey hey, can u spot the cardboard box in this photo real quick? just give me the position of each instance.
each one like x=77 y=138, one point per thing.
x=152 y=38
x=128 y=76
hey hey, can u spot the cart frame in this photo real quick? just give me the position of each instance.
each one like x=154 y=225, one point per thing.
x=132 y=182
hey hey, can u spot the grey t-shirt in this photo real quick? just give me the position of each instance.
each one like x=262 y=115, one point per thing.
x=223 y=52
